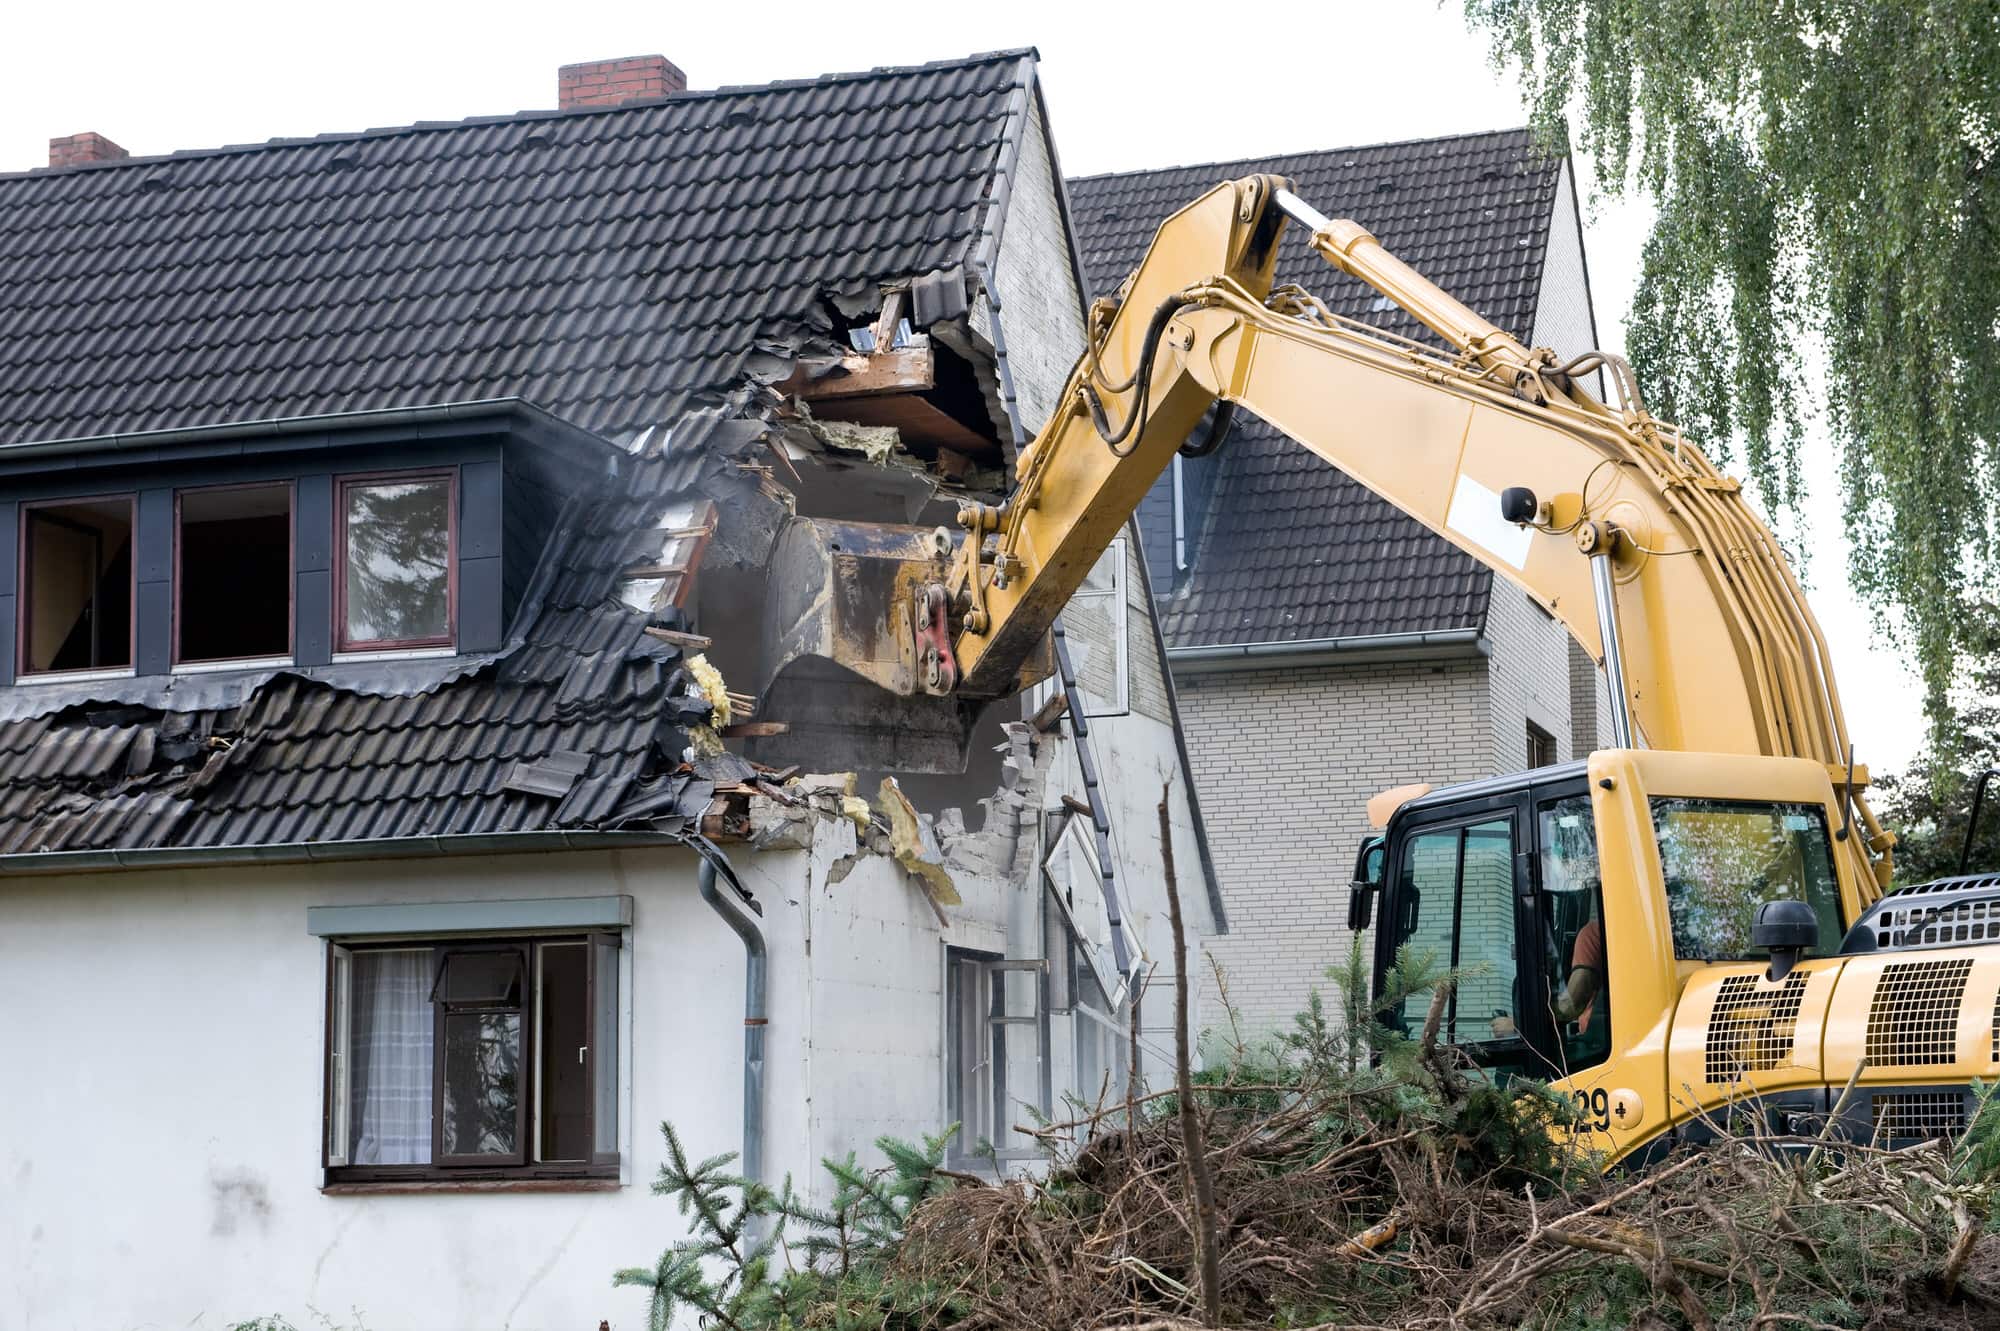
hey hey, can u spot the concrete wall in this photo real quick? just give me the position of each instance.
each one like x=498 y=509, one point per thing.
x=1286 y=761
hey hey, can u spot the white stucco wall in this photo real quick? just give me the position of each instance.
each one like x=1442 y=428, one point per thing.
x=161 y=1164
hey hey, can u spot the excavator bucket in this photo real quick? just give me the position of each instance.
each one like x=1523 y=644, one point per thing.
x=857 y=650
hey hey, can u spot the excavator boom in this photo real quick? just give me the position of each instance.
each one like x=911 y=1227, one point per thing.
x=1622 y=529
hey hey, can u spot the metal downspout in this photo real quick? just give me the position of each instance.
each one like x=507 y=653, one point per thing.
x=755 y=1016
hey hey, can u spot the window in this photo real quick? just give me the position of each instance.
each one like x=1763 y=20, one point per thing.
x=1722 y=859
x=1572 y=900
x=1457 y=904
x=994 y=1011
x=233 y=573
x=76 y=585
x=1541 y=747
x=398 y=546
x=451 y=1059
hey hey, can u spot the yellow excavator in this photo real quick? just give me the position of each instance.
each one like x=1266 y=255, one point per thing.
x=1689 y=926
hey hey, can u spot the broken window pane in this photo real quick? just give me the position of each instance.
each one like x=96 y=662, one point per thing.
x=482 y=1083
x=396 y=563
x=233 y=594
x=76 y=586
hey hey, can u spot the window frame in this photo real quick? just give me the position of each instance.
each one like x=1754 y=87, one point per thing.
x=24 y=585
x=344 y=645
x=291 y=489
x=1115 y=556
x=1542 y=741
x=991 y=970
x=337 y=1071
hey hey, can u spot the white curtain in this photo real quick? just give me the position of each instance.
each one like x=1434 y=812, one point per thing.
x=390 y=1090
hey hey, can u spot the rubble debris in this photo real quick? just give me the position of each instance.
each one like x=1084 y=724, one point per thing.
x=913 y=845
x=877 y=443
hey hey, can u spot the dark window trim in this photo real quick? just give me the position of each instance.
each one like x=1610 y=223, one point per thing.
x=1541 y=745
x=481 y=1173
x=24 y=584
x=341 y=642
x=291 y=488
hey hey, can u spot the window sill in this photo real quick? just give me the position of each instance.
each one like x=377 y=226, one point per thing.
x=393 y=654
x=242 y=663
x=76 y=676
x=392 y=1187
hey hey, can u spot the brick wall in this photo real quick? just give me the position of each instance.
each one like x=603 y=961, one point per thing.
x=1285 y=761
x=1530 y=676
x=1589 y=704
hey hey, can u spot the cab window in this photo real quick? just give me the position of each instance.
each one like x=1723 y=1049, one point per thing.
x=1722 y=859
x=1572 y=914
x=1457 y=904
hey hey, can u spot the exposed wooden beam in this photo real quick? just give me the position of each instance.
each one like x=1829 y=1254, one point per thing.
x=910 y=369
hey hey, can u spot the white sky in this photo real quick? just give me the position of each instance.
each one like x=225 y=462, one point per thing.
x=1127 y=85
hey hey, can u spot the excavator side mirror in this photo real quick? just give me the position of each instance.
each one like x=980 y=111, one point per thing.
x=1785 y=929
x=1518 y=504
x=1367 y=882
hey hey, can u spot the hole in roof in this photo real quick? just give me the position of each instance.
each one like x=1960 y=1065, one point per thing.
x=155 y=184
x=537 y=141
x=740 y=116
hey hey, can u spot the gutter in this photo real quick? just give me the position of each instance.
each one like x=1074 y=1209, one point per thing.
x=1436 y=644
x=23 y=863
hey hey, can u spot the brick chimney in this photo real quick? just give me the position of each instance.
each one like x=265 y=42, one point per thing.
x=615 y=82
x=76 y=149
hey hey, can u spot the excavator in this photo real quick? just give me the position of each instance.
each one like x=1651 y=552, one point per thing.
x=1686 y=931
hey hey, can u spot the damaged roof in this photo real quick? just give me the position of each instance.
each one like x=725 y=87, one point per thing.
x=608 y=265
x=1286 y=547
x=636 y=271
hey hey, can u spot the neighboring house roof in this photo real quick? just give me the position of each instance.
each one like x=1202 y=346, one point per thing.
x=1290 y=549
x=619 y=268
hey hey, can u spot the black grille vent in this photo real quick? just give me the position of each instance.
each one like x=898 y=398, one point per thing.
x=1919 y=1115
x=1752 y=1028
x=1913 y=1018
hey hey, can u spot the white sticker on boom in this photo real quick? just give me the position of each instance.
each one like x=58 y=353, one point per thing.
x=1475 y=515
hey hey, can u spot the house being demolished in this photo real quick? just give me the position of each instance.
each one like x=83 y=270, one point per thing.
x=393 y=704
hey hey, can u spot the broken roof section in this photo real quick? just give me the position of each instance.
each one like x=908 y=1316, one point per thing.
x=1286 y=548
x=647 y=273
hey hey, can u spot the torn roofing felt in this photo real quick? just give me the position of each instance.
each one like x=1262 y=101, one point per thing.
x=1286 y=547
x=641 y=272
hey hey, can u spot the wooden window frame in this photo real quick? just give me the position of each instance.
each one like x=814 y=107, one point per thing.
x=291 y=490
x=24 y=585
x=465 y=1169
x=341 y=484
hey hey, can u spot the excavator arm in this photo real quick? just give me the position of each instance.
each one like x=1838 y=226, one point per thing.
x=1622 y=529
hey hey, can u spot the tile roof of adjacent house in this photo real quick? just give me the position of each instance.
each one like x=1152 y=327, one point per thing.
x=1292 y=549
x=620 y=268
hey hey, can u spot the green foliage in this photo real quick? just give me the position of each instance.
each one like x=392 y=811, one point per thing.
x=1928 y=804
x=736 y=1269
x=1824 y=177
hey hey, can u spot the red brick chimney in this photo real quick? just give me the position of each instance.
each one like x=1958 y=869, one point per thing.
x=615 y=82
x=76 y=149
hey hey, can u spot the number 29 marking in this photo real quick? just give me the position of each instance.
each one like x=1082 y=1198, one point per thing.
x=1594 y=1109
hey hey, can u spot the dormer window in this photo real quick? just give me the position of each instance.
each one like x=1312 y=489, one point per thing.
x=396 y=554
x=75 y=595
x=233 y=581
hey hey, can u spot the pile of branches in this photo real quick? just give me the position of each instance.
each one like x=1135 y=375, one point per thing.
x=1347 y=1176
x=1401 y=1190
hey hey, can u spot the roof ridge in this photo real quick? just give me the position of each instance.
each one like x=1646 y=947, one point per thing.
x=1306 y=152
x=544 y=113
